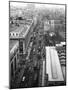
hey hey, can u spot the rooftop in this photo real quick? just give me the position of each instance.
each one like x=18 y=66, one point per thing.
x=12 y=43
x=22 y=30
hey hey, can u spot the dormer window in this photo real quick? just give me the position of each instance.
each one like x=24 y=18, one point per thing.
x=10 y=34
x=16 y=34
x=13 y=34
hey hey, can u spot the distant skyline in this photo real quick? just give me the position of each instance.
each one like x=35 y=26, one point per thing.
x=23 y=5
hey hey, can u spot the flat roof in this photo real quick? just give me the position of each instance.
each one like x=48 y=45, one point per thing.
x=53 y=67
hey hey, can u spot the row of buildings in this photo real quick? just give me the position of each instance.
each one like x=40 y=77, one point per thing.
x=21 y=37
x=19 y=42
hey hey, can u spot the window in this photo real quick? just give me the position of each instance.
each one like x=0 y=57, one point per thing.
x=13 y=34
x=12 y=69
x=15 y=63
x=10 y=34
x=16 y=34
